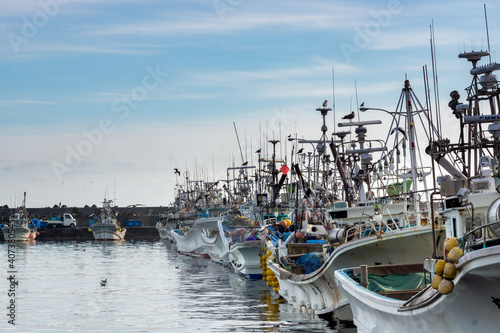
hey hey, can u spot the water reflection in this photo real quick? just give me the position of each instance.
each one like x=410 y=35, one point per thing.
x=150 y=288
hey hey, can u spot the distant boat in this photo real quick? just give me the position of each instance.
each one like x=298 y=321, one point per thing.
x=19 y=227
x=106 y=228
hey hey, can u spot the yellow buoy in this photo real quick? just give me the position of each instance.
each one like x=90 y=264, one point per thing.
x=269 y=278
x=264 y=257
x=450 y=270
x=269 y=284
x=451 y=243
x=455 y=254
x=439 y=267
x=269 y=272
x=268 y=253
x=263 y=277
x=436 y=280
x=276 y=289
x=288 y=222
x=264 y=249
x=445 y=287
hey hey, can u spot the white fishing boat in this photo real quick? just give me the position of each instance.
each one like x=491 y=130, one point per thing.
x=241 y=239
x=19 y=227
x=189 y=237
x=174 y=222
x=164 y=230
x=215 y=241
x=106 y=227
x=464 y=294
x=382 y=221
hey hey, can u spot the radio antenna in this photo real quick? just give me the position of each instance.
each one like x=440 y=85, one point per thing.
x=487 y=31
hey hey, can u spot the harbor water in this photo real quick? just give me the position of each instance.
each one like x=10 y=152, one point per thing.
x=149 y=287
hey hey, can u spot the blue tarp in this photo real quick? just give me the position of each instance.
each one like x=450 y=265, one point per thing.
x=311 y=261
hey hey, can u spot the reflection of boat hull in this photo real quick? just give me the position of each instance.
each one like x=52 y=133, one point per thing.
x=318 y=292
x=472 y=305
x=18 y=233
x=108 y=232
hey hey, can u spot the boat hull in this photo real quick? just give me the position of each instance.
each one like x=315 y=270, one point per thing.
x=108 y=232
x=164 y=231
x=318 y=292
x=18 y=233
x=476 y=284
x=190 y=242
x=245 y=259
x=215 y=243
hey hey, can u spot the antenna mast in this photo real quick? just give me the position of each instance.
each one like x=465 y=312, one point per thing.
x=487 y=31
x=239 y=145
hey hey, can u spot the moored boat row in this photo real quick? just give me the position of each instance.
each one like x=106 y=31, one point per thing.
x=360 y=234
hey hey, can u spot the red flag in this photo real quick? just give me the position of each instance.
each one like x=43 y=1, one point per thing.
x=284 y=169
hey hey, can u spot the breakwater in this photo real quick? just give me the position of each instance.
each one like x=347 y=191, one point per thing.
x=147 y=215
x=83 y=234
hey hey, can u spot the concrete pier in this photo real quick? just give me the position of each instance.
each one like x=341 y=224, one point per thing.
x=83 y=234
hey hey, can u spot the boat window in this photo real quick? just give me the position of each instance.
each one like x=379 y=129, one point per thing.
x=479 y=221
x=341 y=214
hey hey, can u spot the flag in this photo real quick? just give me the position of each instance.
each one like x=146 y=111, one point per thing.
x=284 y=169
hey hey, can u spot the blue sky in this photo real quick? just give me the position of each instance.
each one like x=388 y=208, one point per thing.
x=101 y=96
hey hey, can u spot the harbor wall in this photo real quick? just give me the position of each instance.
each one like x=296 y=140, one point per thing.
x=147 y=215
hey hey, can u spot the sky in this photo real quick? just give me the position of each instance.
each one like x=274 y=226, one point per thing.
x=105 y=98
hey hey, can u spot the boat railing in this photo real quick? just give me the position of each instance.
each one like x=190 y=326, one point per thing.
x=378 y=226
x=481 y=237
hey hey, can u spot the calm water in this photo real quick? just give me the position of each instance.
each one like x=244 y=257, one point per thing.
x=150 y=288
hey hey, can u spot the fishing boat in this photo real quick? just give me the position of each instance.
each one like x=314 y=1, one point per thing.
x=174 y=222
x=188 y=238
x=106 y=227
x=241 y=239
x=19 y=227
x=381 y=221
x=463 y=295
